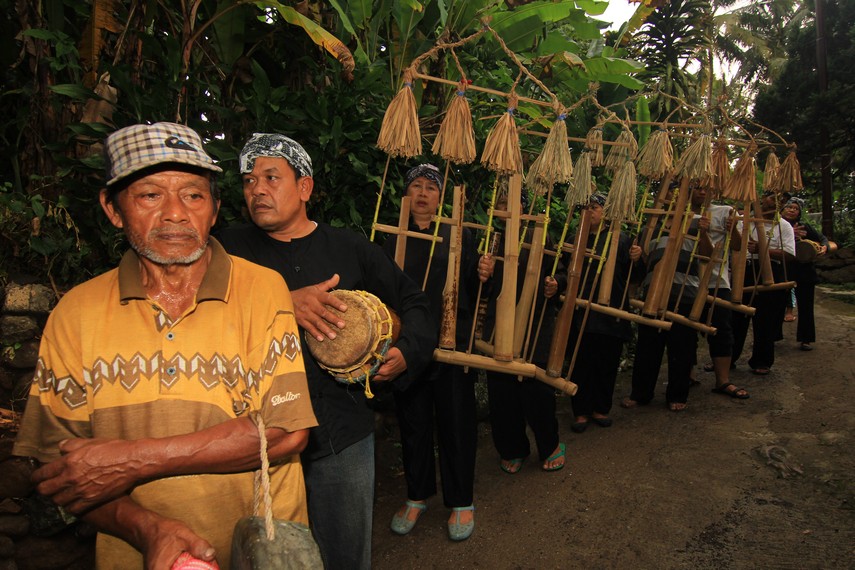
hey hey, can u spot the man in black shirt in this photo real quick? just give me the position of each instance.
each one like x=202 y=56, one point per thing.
x=314 y=258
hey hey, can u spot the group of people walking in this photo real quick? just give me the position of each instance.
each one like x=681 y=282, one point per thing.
x=154 y=377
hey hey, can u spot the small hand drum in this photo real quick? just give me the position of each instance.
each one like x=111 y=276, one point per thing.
x=807 y=250
x=358 y=349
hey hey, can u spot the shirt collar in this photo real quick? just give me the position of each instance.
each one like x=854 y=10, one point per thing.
x=214 y=286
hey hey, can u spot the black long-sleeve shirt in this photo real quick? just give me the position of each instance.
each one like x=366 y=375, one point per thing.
x=341 y=410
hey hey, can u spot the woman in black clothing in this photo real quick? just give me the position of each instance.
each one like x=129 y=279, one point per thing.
x=804 y=274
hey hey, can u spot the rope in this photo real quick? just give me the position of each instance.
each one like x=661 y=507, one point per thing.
x=262 y=483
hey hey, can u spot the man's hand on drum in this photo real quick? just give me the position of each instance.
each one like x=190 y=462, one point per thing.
x=485 y=267
x=393 y=365
x=550 y=287
x=310 y=309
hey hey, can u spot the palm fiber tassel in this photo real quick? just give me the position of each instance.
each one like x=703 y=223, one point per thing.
x=696 y=161
x=399 y=133
x=791 y=174
x=554 y=165
x=620 y=202
x=720 y=167
x=455 y=141
x=502 y=148
x=742 y=186
x=772 y=173
x=594 y=143
x=625 y=148
x=657 y=156
x=580 y=188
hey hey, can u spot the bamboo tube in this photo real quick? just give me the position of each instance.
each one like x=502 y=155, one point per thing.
x=403 y=225
x=704 y=282
x=605 y=293
x=652 y=220
x=455 y=141
x=762 y=244
x=565 y=316
x=450 y=294
x=513 y=368
x=663 y=272
x=399 y=132
x=625 y=315
x=740 y=258
x=696 y=162
x=680 y=319
x=396 y=231
x=507 y=299
x=529 y=288
x=502 y=147
x=656 y=156
x=772 y=287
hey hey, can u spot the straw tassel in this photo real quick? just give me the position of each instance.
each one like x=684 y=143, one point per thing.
x=502 y=148
x=742 y=186
x=455 y=141
x=657 y=156
x=554 y=165
x=772 y=173
x=620 y=203
x=399 y=133
x=594 y=143
x=696 y=161
x=791 y=174
x=579 y=190
x=720 y=167
x=626 y=148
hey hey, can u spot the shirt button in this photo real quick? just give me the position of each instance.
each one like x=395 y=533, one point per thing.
x=170 y=335
x=171 y=370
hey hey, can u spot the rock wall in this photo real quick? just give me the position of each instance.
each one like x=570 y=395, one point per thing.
x=33 y=533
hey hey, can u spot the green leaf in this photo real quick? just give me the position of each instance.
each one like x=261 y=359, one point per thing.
x=40 y=34
x=75 y=91
x=37 y=206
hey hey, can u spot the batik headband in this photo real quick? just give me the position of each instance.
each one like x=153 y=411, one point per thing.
x=428 y=171
x=275 y=145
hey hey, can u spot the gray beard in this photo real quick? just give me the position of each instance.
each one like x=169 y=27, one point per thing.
x=143 y=251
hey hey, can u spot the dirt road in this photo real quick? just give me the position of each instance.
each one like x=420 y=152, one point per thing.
x=761 y=483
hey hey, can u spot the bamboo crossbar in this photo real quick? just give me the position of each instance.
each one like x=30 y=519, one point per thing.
x=417 y=75
x=772 y=287
x=625 y=315
x=678 y=318
x=512 y=367
x=394 y=230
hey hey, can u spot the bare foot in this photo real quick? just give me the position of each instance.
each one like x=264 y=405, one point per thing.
x=677 y=406
x=628 y=403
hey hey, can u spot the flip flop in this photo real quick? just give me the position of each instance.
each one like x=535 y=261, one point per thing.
x=735 y=393
x=511 y=466
x=557 y=455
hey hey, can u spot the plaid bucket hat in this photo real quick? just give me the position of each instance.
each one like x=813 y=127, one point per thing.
x=134 y=148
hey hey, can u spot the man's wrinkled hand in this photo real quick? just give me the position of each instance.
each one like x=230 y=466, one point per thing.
x=168 y=539
x=393 y=365
x=311 y=308
x=550 y=287
x=89 y=473
x=486 y=265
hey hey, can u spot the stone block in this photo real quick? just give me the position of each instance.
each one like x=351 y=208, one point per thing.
x=18 y=328
x=26 y=299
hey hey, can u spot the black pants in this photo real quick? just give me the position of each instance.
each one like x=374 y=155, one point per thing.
x=805 y=328
x=446 y=393
x=595 y=373
x=766 y=322
x=513 y=404
x=721 y=343
x=682 y=344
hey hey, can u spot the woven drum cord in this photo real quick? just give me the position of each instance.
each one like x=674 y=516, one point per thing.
x=262 y=482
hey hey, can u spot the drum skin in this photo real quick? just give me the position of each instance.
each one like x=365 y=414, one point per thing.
x=358 y=349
